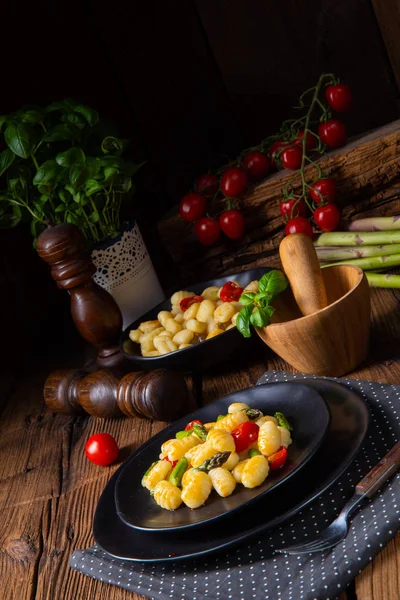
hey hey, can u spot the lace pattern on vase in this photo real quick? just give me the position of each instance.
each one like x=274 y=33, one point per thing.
x=124 y=260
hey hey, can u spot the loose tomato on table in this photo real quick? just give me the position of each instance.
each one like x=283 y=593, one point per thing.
x=234 y=182
x=339 y=97
x=323 y=190
x=290 y=209
x=192 y=423
x=278 y=459
x=208 y=185
x=101 y=449
x=333 y=133
x=327 y=217
x=192 y=207
x=256 y=165
x=186 y=302
x=232 y=223
x=207 y=231
x=244 y=435
x=292 y=156
x=299 y=225
x=230 y=292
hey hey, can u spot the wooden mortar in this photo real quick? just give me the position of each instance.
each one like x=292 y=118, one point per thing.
x=322 y=322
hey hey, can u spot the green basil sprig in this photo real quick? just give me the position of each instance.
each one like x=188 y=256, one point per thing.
x=257 y=309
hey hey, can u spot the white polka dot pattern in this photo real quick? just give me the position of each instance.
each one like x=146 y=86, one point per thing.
x=255 y=571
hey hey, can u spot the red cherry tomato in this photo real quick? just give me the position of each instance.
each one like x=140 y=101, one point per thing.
x=192 y=207
x=230 y=292
x=101 y=449
x=291 y=157
x=207 y=231
x=244 y=435
x=333 y=133
x=311 y=140
x=339 y=97
x=208 y=185
x=299 y=225
x=173 y=462
x=186 y=302
x=278 y=459
x=192 y=423
x=274 y=150
x=323 y=190
x=290 y=209
x=327 y=217
x=232 y=223
x=234 y=182
x=256 y=165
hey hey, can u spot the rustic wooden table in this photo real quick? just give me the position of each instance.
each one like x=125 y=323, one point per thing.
x=49 y=490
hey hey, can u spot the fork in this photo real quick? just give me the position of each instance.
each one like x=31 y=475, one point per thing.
x=365 y=489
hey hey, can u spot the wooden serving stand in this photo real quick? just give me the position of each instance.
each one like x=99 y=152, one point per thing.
x=111 y=390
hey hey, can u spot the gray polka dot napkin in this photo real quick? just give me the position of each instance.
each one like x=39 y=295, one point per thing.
x=254 y=570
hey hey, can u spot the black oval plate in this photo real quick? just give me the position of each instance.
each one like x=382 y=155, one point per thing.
x=306 y=411
x=198 y=357
x=347 y=430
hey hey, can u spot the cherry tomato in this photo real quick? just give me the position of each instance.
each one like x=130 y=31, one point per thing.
x=207 y=231
x=192 y=423
x=289 y=209
x=232 y=223
x=327 y=217
x=278 y=459
x=311 y=140
x=230 y=292
x=101 y=449
x=291 y=157
x=173 y=462
x=234 y=182
x=323 y=190
x=208 y=185
x=192 y=207
x=339 y=97
x=274 y=150
x=299 y=225
x=256 y=165
x=244 y=435
x=333 y=133
x=186 y=302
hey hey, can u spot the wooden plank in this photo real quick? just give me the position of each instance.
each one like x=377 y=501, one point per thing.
x=387 y=13
x=367 y=172
x=380 y=580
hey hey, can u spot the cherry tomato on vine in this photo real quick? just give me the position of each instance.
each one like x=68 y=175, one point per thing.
x=234 y=182
x=333 y=133
x=208 y=185
x=327 y=217
x=207 y=231
x=256 y=165
x=192 y=423
x=232 y=223
x=230 y=292
x=278 y=459
x=101 y=449
x=192 y=207
x=290 y=209
x=186 y=302
x=244 y=435
x=275 y=148
x=291 y=157
x=311 y=140
x=339 y=97
x=299 y=225
x=323 y=190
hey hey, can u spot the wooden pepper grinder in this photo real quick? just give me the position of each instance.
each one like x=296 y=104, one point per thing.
x=161 y=395
x=94 y=311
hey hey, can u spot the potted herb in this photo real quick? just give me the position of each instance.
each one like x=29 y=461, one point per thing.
x=61 y=164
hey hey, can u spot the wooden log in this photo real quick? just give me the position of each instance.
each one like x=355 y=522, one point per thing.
x=367 y=172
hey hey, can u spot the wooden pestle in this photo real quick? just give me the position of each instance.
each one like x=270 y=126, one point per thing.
x=300 y=263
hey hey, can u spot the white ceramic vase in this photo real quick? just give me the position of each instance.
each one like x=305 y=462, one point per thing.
x=124 y=269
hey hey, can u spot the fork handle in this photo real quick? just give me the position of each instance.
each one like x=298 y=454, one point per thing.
x=380 y=473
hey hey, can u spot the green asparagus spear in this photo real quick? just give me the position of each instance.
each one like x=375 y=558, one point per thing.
x=220 y=417
x=375 y=224
x=177 y=472
x=212 y=463
x=148 y=471
x=327 y=254
x=254 y=452
x=383 y=281
x=200 y=431
x=361 y=238
x=282 y=421
x=252 y=413
x=374 y=262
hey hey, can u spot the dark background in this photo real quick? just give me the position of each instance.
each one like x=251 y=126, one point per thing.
x=191 y=83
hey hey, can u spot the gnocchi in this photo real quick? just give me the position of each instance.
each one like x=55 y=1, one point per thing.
x=204 y=457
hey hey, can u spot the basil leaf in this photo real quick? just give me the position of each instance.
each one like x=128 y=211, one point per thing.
x=112 y=144
x=59 y=133
x=247 y=298
x=3 y=120
x=282 y=421
x=261 y=317
x=6 y=159
x=92 y=187
x=20 y=139
x=31 y=115
x=78 y=176
x=273 y=283
x=243 y=321
x=71 y=157
x=46 y=173
x=91 y=115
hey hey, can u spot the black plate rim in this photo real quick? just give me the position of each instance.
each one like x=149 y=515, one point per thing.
x=337 y=473
x=195 y=414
